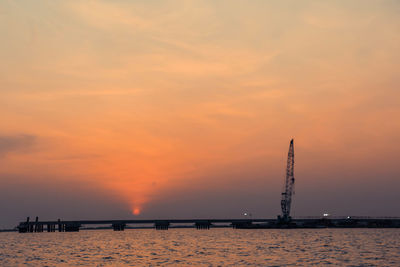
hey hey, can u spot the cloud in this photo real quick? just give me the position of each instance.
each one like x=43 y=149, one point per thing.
x=107 y=16
x=16 y=143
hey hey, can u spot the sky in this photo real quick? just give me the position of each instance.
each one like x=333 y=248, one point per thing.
x=185 y=109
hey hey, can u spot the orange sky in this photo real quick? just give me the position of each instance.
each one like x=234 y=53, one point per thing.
x=142 y=99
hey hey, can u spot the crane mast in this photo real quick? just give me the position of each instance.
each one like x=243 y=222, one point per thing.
x=288 y=190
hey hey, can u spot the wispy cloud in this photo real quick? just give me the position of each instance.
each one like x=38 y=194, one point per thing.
x=108 y=15
x=16 y=143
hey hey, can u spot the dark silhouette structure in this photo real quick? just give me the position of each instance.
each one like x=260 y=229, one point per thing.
x=287 y=193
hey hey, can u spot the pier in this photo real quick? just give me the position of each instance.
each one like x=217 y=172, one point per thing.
x=205 y=224
x=120 y=225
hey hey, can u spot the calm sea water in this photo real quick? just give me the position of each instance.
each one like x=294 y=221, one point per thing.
x=215 y=247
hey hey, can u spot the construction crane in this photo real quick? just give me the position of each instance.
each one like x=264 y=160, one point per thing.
x=288 y=189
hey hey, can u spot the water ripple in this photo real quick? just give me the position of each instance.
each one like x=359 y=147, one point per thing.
x=215 y=247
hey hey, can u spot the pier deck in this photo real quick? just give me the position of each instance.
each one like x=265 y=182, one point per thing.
x=164 y=224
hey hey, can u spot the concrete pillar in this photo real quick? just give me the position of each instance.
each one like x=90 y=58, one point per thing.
x=162 y=225
x=118 y=226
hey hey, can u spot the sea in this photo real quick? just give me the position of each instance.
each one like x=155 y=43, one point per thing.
x=214 y=247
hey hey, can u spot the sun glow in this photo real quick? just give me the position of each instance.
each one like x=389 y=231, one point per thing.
x=136 y=211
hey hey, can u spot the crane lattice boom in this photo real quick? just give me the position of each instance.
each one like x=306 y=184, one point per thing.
x=289 y=185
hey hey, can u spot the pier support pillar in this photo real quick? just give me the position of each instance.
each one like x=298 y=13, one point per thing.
x=23 y=227
x=118 y=226
x=60 y=226
x=242 y=224
x=161 y=225
x=71 y=227
x=36 y=228
x=203 y=225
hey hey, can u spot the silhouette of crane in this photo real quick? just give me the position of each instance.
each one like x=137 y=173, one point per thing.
x=288 y=189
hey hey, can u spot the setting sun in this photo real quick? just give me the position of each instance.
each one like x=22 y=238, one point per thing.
x=136 y=211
